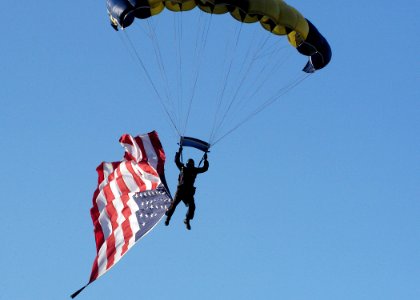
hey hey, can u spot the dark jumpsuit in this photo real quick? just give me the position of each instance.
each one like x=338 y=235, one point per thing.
x=186 y=190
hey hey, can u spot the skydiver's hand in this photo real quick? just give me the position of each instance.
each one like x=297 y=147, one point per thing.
x=205 y=156
x=180 y=149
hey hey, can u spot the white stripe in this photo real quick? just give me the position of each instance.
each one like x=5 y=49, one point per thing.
x=103 y=218
x=108 y=169
x=118 y=205
x=149 y=177
x=101 y=200
x=102 y=260
x=118 y=232
x=119 y=242
x=117 y=258
x=133 y=149
x=141 y=173
x=133 y=218
x=150 y=151
x=114 y=188
x=105 y=222
x=119 y=238
x=129 y=178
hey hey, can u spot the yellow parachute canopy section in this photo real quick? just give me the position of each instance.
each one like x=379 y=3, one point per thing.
x=275 y=16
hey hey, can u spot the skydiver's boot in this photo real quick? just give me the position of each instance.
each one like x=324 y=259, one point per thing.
x=168 y=218
x=187 y=223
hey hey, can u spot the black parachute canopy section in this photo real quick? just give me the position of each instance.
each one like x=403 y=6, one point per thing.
x=317 y=48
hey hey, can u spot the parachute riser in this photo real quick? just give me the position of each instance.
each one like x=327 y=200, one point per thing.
x=194 y=143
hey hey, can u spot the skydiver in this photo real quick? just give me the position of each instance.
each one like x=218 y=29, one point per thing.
x=186 y=190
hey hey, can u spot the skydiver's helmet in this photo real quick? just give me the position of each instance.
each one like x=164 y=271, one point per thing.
x=190 y=163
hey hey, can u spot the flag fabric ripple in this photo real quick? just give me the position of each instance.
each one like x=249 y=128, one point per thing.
x=130 y=199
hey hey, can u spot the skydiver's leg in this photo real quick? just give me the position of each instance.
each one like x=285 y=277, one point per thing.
x=172 y=207
x=191 y=209
x=190 y=212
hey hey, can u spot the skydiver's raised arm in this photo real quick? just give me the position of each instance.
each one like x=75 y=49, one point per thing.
x=205 y=167
x=178 y=159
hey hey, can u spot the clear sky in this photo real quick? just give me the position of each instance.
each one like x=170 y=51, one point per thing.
x=317 y=197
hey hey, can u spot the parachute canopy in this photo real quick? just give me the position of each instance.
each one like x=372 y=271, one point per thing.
x=274 y=15
x=212 y=65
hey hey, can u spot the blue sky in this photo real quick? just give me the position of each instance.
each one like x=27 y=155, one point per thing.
x=316 y=197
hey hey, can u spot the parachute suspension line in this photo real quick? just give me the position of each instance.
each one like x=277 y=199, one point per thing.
x=178 y=42
x=225 y=80
x=161 y=65
x=129 y=48
x=245 y=74
x=271 y=51
x=149 y=78
x=200 y=45
x=280 y=93
x=272 y=70
x=243 y=101
x=150 y=33
x=267 y=103
x=251 y=91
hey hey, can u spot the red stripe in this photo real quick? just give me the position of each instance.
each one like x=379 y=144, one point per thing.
x=148 y=168
x=126 y=226
x=112 y=214
x=110 y=250
x=157 y=146
x=121 y=183
x=97 y=228
x=137 y=179
x=127 y=139
x=126 y=212
x=144 y=165
x=95 y=270
x=94 y=212
x=139 y=143
x=100 y=171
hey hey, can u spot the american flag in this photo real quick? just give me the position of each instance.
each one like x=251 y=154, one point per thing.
x=131 y=198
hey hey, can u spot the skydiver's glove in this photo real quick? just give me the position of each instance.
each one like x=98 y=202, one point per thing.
x=205 y=156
